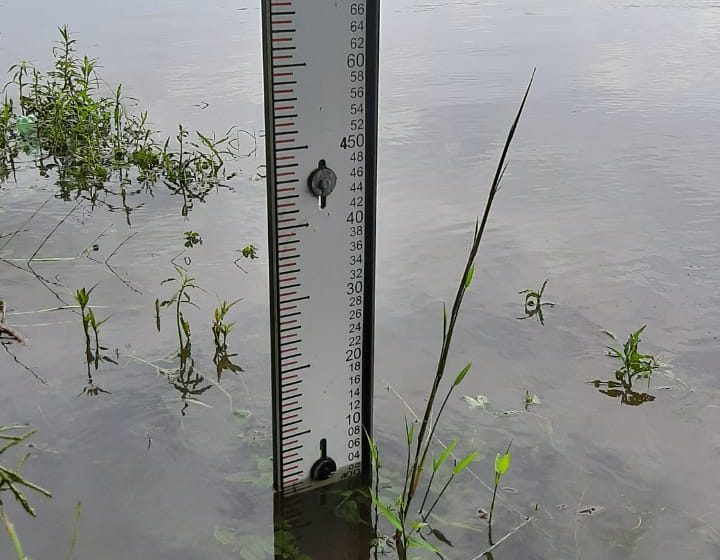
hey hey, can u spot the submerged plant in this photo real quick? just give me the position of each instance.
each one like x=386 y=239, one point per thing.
x=409 y=532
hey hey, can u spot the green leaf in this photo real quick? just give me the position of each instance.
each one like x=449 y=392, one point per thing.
x=437 y=463
x=462 y=465
x=185 y=326
x=421 y=543
x=502 y=463
x=409 y=431
x=462 y=374
x=388 y=514
x=469 y=276
x=373 y=449
x=417 y=525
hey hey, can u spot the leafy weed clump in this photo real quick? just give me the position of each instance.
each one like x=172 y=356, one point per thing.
x=73 y=127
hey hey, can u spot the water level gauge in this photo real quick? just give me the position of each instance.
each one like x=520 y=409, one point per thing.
x=321 y=66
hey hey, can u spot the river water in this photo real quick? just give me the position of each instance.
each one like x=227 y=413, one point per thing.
x=611 y=194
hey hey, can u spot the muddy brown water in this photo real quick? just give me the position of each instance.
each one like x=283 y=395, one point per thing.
x=612 y=195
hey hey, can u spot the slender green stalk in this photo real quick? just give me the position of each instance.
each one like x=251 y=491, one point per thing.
x=424 y=442
x=427 y=491
x=437 y=498
x=14 y=539
x=376 y=518
x=502 y=464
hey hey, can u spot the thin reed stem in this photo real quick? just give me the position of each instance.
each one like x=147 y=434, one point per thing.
x=423 y=444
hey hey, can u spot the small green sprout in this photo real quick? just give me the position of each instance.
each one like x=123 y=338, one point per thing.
x=502 y=465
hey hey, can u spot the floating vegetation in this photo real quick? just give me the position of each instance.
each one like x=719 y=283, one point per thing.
x=635 y=366
x=534 y=304
x=68 y=125
x=248 y=252
x=93 y=350
x=192 y=238
x=416 y=533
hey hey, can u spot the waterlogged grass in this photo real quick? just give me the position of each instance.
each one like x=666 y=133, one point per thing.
x=71 y=127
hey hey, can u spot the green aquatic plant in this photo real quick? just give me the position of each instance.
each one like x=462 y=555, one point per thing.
x=192 y=238
x=249 y=251
x=13 y=482
x=220 y=330
x=70 y=126
x=408 y=531
x=534 y=304
x=502 y=464
x=188 y=381
x=180 y=299
x=634 y=365
x=93 y=350
x=8 y=332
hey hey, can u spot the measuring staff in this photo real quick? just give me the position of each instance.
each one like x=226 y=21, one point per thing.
x=321 y=68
